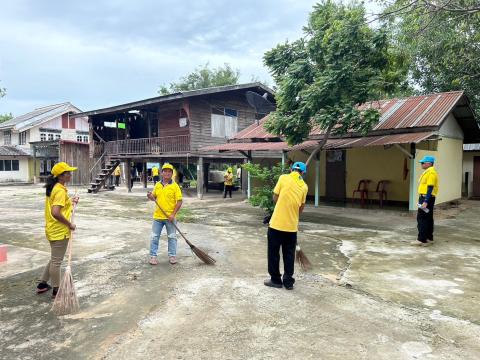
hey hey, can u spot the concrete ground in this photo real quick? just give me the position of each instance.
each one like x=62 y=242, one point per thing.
x=370 y=295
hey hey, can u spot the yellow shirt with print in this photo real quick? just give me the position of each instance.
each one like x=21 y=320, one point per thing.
x=228 y=177
x=167 y=197
x=292 y=193
x=54 y=229
x=428 y=178
x=117 y=171
x=154 y=171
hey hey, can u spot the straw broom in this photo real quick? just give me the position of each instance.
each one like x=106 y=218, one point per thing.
x=302 y=259
x=66 y=301
x=202 y=255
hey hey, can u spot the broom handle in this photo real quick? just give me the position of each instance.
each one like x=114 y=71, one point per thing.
x=71 y=237
x=176 y=227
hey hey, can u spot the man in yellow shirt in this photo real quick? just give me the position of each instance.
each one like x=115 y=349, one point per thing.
x=117 y=174
x=155 y=175
x=289 y=195
x=427 y=191
x=228 y=182
x=169 y=196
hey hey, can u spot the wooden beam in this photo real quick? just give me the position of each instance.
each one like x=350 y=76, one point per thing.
x=200 y=178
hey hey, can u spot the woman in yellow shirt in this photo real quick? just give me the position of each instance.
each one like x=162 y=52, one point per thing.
x=58 y=213
x=228 y=182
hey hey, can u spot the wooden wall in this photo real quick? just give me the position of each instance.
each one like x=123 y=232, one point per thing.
x=77 y=154
x=201 y=112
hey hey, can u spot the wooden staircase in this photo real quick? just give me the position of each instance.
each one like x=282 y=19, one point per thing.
x=103 y=176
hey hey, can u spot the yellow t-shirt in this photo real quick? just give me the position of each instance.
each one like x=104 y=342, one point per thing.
x=154 y=171
x=117 y=171
x=428 y=178
x=292 y=193
x=54 y=229
x=228 y=178
x=167 y=197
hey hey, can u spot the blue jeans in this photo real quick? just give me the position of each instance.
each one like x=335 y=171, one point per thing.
x=157 y=227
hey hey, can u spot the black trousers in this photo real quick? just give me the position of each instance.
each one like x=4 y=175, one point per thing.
x=117 y=180
x=228 y=188
x=425 y=220
x=287 y=241
x=155 y=179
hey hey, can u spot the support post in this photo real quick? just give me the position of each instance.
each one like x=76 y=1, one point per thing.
x=249 y=177
x=200 y=178
x=144 y=173
x=317 y=179
x=413 y=201
x=284 y=156
x=244 y=178
x=128 y=174
x=35 y=180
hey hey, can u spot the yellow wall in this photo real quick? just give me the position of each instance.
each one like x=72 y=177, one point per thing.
x=449 y=157
x=376 y=163
x=30 y=169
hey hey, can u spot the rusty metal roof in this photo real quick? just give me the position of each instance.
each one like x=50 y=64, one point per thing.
x=8 y=150
x=331 y=144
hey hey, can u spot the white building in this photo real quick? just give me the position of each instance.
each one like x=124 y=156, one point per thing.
x=47 y=124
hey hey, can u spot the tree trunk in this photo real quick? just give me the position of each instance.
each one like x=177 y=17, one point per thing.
x=320 y=145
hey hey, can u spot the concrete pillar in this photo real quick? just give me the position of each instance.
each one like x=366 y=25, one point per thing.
x=128 y=174
x=200 y=178
x=413 y=200
x=144 y=173
x=317 y=181
x=35 y=179
x=244 y=178
x=284 y=156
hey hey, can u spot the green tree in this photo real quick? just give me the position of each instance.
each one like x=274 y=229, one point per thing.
x=441 y=41
x=203 y=77
x=268 y=177
x=4 y=117
x=323 y=77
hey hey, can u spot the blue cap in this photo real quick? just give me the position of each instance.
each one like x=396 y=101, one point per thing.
x=427 y=158
x=299 y=166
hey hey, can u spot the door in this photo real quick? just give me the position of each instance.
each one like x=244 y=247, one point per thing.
x=476 y=176
x=335 y=173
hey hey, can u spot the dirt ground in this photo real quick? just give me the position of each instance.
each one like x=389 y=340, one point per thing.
x=371 y=294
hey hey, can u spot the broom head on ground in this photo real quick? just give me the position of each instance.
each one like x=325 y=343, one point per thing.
x=302 y=259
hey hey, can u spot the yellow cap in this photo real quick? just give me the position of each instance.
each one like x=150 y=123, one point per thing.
x=167 y=166
x=60 y=168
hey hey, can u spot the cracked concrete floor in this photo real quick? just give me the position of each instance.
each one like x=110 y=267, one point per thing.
x=371 y=295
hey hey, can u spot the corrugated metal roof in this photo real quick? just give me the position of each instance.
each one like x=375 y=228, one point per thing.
x=330 y=145
x=7 y=150
x=38 y=116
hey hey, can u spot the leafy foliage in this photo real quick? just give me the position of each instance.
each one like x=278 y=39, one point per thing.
x=5 y=117
x=441 y=41
x=339 y=64
x=203 y=77
x=268 y=176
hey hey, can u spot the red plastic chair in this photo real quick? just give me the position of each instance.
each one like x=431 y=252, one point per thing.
x=362 y=189
x=381 y=191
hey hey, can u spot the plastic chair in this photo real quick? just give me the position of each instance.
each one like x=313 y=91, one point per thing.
x=362 y=189
x=382 y=191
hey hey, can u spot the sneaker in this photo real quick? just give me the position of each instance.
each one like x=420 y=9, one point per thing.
x=153 y=260
x=43 y=287
x=270 y=283
x=172 y=260
x=54 y=292
x=419 y=243
x=289 y=287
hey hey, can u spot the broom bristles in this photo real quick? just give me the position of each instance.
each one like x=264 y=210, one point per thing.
x=302 y=259
x=202 y=255
x=66 y=301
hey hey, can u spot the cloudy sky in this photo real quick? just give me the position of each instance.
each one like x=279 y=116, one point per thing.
x=106 y=52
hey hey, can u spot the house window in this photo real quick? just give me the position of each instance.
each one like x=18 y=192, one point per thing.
x=58 y=136
x=79 y=138
x=43 y=136
x=7 y=165
x=85 y=138
x=71 y=123
x=22 y=138
x=15 y=165
x=50 y=136
x=7 y=137
x=224 y=122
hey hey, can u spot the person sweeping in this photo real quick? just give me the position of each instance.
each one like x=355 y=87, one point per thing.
x=58 y=227
x=289 y=195
x=168 y=195
x=228 y=182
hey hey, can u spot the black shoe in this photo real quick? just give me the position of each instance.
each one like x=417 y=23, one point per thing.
x=270 y=283
x=54 y=292
x=289 y=287
x=43 y=287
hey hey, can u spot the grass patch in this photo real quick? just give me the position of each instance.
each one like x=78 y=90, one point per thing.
x=185 y=215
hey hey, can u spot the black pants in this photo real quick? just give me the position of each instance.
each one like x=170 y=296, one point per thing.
x=228 y=188
x=155 y=179
x=287 y=241
x=425 y=220
x=117 y=180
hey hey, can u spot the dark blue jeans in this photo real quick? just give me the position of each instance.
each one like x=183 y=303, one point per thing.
x=425 y=220
x=287 y=241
